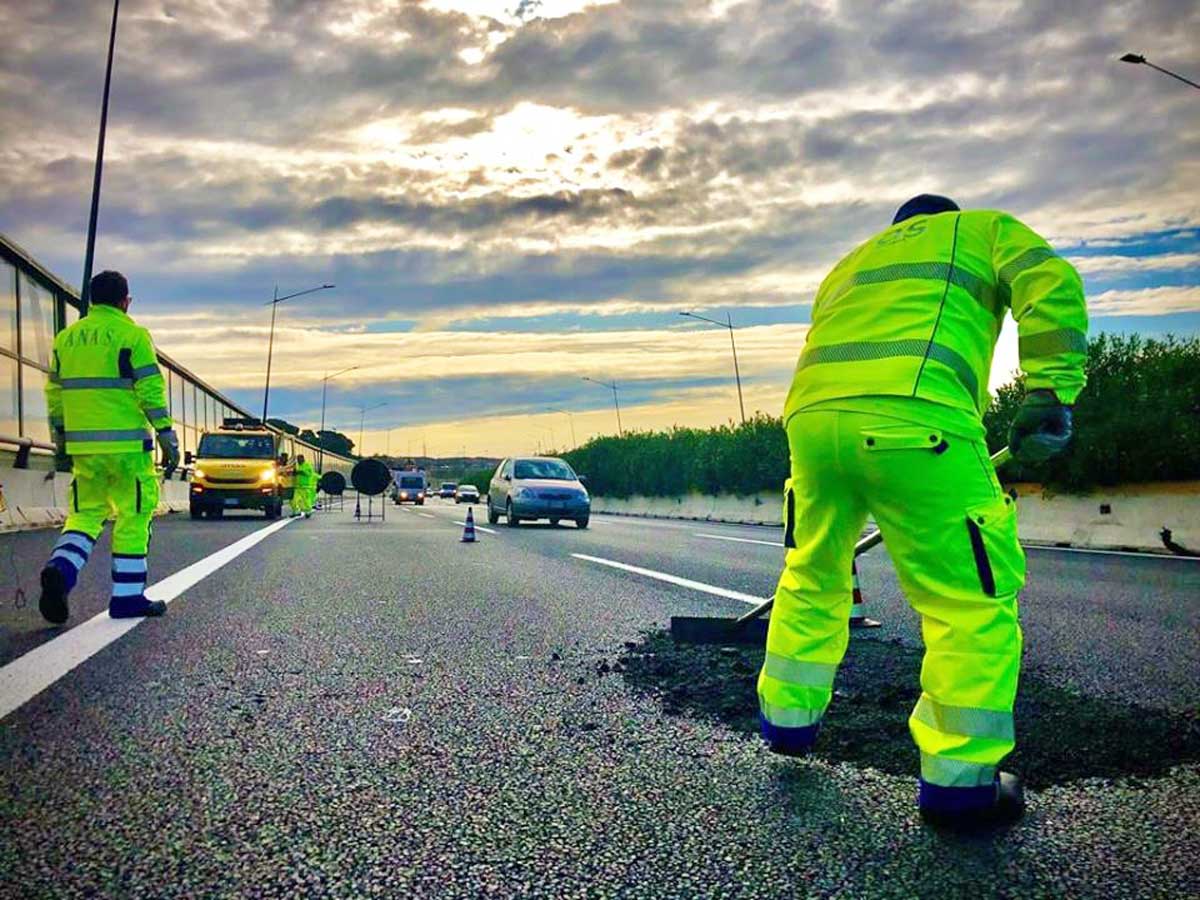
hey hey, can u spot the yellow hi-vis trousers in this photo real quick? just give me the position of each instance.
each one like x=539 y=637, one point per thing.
x=302 y=499
x=118 y=486
x=951 y=533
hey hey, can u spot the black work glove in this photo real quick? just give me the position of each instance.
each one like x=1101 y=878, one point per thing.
x=169 y=444
x=1041 y=429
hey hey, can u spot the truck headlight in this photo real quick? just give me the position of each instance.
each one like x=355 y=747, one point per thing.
x=267 y=475
x=198 y=473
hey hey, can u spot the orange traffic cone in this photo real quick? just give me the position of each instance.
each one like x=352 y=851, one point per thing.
x=858 y=617
x=469 y=527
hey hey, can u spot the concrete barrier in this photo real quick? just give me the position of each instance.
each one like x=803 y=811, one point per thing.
x=1126 y=517
x=38 y=499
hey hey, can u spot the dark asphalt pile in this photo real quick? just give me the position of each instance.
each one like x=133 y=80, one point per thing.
x=1061 y=736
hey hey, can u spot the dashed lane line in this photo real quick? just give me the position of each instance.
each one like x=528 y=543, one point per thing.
x=672 y=579
x=425 y=515
x=27 y=676
x=738 y=540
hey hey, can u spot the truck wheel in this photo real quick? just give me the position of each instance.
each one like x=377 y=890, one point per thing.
x=194 y=511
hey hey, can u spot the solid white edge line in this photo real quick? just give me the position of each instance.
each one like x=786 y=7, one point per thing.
x=1139 y=553
x=673 y=579
x=737 y=540
x=425 y=515
x=27 y=676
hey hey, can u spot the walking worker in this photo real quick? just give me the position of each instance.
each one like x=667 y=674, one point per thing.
x=884 y=417
x=105 y=394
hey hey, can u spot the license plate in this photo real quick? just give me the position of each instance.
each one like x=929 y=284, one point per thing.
x=231 y=501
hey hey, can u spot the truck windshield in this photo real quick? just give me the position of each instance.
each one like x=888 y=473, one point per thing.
x=236 y=446
x=412 y=481
x=549 y=469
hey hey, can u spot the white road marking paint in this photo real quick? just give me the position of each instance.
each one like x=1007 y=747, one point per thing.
x=427 y=515
x=477 y=528
x=737 y=540
x=673 y=579
x=27 y=676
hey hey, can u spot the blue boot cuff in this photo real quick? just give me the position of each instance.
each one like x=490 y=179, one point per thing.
x=792 y=741
x=936 y=798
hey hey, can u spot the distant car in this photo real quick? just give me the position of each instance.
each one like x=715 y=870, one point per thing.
x=466 y=493
x=448 y=489
x=409 y=487
x=537 y=487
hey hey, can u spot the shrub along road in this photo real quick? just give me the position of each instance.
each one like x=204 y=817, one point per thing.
x=355 y=708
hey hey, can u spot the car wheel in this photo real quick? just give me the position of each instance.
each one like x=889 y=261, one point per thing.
x=513 y=521
x=493 y=516
x=581 y=523
x=554 y=521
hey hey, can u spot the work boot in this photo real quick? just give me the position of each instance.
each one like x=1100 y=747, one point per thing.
x=53 y=602
x=967 y=809
x=795 y=742
x=135 y=607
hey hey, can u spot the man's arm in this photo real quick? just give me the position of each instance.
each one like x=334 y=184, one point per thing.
x=149 y=384
x=54 y=407
x=1047 y=300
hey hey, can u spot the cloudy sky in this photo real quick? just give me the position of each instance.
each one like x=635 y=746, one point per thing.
x=512 y=195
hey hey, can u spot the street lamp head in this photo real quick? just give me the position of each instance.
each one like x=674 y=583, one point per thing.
x=1133 y=58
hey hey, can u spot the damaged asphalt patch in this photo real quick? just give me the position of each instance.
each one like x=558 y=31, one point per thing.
x=1061 y=736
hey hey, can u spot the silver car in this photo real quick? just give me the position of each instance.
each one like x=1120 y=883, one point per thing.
x=537 y=487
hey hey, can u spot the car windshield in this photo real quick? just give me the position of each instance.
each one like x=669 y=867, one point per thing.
x=448 y=485
x=236 y=446
x=549 y=469
x=412 y=481
x=466 y=487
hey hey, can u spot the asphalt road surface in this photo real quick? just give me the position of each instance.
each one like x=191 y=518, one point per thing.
x=343 y=708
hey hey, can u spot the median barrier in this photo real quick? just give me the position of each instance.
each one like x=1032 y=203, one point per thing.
x=35 y=499
x=1125 y=517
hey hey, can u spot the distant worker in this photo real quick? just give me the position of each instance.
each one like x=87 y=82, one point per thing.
x=104 y=395
x=305 y=491
x=884 y=417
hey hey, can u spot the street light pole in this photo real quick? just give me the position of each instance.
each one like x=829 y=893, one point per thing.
x=274 y=302
x=616 y=403
x=362 y=422
x=571 y=419
x=737 y=374
x=1138 y=60
x=85 y=291
x=321 y=430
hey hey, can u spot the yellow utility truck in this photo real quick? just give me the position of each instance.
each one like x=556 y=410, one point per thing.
x=237 y=466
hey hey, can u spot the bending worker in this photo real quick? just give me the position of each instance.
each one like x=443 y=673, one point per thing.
x=884 y=417
x=104 y=394
x=305 y=490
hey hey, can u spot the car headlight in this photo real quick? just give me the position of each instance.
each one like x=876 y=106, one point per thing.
x=524 y=494
x=198 y=473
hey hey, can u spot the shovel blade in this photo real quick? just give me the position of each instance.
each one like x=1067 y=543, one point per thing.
x=714 y=630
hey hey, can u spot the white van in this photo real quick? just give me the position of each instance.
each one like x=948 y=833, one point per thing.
x=408 y=486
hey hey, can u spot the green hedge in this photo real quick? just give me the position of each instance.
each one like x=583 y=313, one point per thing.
x=1138 y=420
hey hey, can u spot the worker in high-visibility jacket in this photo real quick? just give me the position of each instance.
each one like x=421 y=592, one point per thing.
x=884 y=417
x=107 y=404
x=305 y=492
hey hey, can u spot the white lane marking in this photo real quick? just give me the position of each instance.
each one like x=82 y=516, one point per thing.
x=673 y=579
x=426 y=515
x=27 y=676
x=1141 y=553
x=477 y=528
x=737 y=540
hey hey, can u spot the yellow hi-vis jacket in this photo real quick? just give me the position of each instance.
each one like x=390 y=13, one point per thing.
x=916 y=310
x=105 y=389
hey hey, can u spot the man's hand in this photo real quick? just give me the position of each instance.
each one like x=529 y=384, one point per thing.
x=1041 y=429
x=169 y=444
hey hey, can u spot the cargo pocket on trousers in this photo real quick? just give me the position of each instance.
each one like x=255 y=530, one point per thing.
x=147 y=494
x=999 y=559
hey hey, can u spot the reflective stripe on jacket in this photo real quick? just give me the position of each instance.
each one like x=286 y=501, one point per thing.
x=105 y=389
x=916 y=311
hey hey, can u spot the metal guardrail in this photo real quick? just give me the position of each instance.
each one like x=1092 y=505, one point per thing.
x=25 y=446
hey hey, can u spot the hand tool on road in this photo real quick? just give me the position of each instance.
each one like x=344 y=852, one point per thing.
x=751 y=627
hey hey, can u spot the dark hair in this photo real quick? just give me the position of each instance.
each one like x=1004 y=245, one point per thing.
x=109 y=288
x=924 y=205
